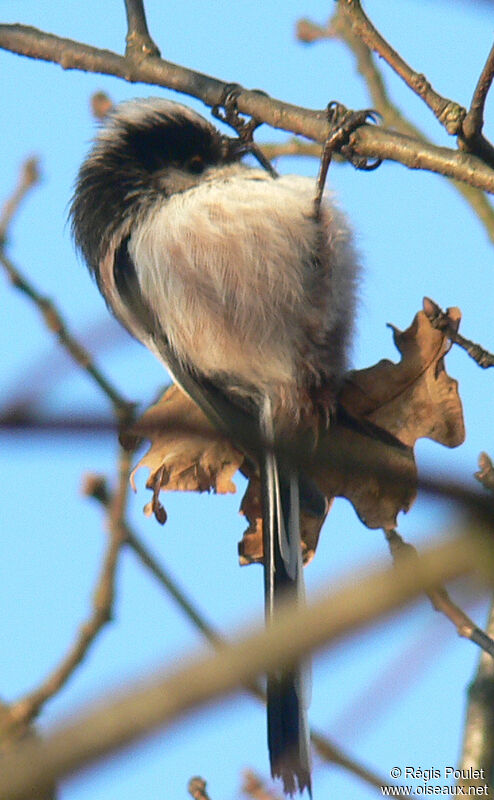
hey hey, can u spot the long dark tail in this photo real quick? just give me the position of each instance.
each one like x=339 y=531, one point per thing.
x=288 y=730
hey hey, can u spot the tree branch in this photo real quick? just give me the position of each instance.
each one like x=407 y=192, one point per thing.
x=54 y=321
x=478 y=739
x=196 y=787
x=95 y=486
x=340 y=26
x=485 y=476
x=139 y=42
x=24 y=710
x=441 y=320
x=474 y=120
x=439 y=597
x=449 y=113
x=52 y=317
x=473 y=123
x=254 y=787
x=370 y=140
x=28 y=178
x=140 y=710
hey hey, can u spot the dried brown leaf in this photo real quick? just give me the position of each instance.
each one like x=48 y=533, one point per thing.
x=415 y=398
x=365 y=456
x=375 y=472
x=186 y=453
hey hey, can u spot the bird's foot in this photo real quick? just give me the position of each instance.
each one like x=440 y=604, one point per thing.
x=227 y=111
x=343 y=123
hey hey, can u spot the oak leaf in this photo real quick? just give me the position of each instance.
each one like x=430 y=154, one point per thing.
x=366 y=454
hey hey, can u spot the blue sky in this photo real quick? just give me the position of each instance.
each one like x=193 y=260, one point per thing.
x=416 y=236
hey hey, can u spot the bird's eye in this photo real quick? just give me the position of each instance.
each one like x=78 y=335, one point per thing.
x=195 y=165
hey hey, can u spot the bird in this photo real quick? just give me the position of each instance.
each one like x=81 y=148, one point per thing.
x=245 y=290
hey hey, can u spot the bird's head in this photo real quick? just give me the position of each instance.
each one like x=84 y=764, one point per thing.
x=147 y=150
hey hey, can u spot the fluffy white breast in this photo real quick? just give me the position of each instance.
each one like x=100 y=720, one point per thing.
x=232 y=262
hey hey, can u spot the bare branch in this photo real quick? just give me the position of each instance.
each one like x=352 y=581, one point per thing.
x=474 y=120
x=440 y=598
x=24 y=710
x=480 y=204
x=101 y=105
x=441 y=320
x=139 y=42
x=486 y=474
x=340 y=26
x=368 y=141
x=333 y=754
x=142 y=709
x=52 y=317
x=449 y=113
x=196 y=787
x=28 y=178
x=253 y=786
x=95 y=487
x=56 y=324
x=478 y=740
x=22 y=419
x=292 y=147
x=309 y=32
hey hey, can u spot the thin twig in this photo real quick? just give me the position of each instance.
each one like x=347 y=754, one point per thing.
x=52 y=317
x=442 y=321
x=24 y=710
x=456 y=492
x=253 y=786
x=56 y=324
x=485 y=476
x=16 y=420
x=196 y=787
x=370 y=141
x=478 y=738
x=474 y=120
x=139 y=42
x=164 y=697
x=95 y=486
x=333 y=754
x=28 y=178
x=291 y=147
x=449 y=113
x=439 y=597
x=480 y=204
x=101 y=105
x=340 y=26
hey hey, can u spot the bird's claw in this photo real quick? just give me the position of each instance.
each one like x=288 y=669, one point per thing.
x=344 y=122
x=227 y=111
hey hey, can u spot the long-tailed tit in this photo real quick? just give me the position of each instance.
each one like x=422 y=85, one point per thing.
x=246 y=294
